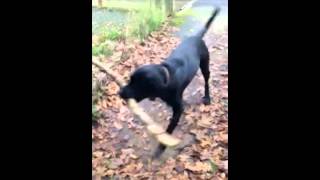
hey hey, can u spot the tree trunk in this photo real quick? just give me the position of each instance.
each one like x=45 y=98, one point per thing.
x=158 y=3
x=169 y=7
x=99 y=3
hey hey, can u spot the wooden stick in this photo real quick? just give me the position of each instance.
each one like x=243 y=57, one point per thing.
x=153 y=127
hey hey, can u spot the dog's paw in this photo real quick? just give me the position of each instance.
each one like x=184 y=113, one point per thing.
x=186 y=104
x=159 y=151
x=206 y=100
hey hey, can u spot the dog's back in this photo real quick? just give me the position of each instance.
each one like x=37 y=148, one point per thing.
x=185 y=59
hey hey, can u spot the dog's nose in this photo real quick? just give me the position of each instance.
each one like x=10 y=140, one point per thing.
x=120 y=92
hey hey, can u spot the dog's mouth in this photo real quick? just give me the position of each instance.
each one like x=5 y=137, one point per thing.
x=139 y=99
x=126 y=94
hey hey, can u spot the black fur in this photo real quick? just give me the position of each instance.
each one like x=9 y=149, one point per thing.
x=151 y=81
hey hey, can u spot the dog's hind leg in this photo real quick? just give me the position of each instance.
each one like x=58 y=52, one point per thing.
x=204 y=66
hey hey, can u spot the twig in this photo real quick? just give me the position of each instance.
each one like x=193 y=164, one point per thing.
x=153 y=127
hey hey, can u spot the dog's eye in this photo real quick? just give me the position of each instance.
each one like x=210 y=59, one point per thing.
x=133 y=78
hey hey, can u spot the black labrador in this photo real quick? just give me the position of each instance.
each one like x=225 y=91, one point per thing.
x=169 y=79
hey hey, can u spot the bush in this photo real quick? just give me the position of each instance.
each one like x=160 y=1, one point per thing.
x=101 y=49
x=140 y=24
x=97 y=94
x=112 y=32
x=179 y=18
x=146 y=21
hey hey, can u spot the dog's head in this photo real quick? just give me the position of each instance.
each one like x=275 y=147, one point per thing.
x=146 y=82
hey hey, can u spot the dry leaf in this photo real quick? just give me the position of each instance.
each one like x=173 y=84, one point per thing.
x=139 y=166
x=133 y=156
x=110 y=172
x=112 y=88
x=97 y=154
x=183 y=157
x=198 y=166
x=95 y=163
x=223 y=175
x=117 y=125
x=222 y=137
x=100 y=170
x=115 y=163
x=130 y=168
x=104 y=104
x=205 y=121
x=205 y=142
x=205 y=155
x=204 y=108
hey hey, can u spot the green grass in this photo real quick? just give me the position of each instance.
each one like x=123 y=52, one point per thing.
x=112 y=32
x=140 y=24
x=101 y=49
x=95 y=113
x=179 y=18
x=200 y=13
x=214 y=167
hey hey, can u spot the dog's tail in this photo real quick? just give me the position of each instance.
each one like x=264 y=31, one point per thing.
x=203 y=31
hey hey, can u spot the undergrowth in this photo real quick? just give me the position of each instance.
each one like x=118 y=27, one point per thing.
x=139 y=25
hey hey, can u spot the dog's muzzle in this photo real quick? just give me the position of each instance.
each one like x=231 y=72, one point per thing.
x=123 y=93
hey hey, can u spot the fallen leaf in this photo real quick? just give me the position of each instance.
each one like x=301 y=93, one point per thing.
x=95 y=163
x=223 y=175
x=204 y=108
x=183 y=157
x=130 y=168
x=205 y=121
x=97 y=154
x=117 y=125
x=205 y=155
x=112 y=88
x=139 y=166
x=100 y=170
x=179 y=168
x=109 y=172
x=133 y=156
x=198 y=167
x=115 y=163
x=205 y=142
x=223 y=137
x=199 y=134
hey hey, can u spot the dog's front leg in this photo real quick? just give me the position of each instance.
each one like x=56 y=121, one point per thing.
x=177 y=107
